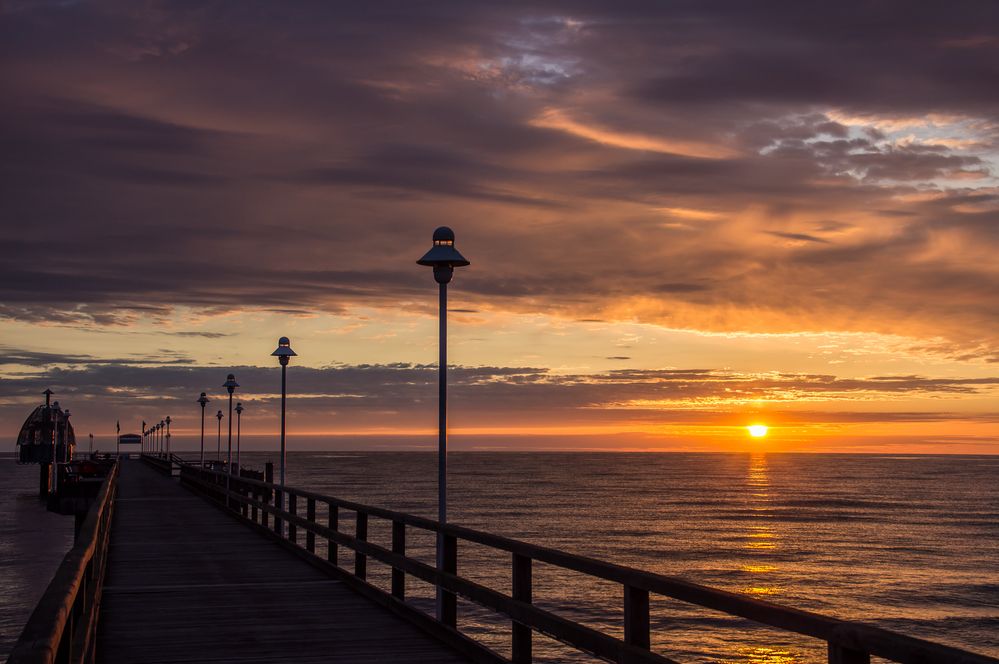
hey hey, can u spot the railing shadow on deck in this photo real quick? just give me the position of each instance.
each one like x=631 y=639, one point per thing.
x=63 y=626
x=255 y=502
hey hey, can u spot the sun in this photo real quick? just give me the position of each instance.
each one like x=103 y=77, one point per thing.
x=758 y=430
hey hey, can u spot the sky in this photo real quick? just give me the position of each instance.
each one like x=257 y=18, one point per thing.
x=682 y=218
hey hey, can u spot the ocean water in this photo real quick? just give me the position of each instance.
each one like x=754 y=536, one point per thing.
x=32 y=544
x=909 y=543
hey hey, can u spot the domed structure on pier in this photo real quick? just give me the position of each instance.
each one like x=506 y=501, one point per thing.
x=34 y=442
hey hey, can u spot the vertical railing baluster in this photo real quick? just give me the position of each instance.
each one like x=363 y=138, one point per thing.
x=842 y=655
x=310 y=515
x=292 y=509
x=361 y=533
x=636 y=617
x=278 y=503
x=254 y=494
x=244 y=491
x=334 y=524
x=399 y=547
x=521 y=648
x=269 y=479
x=449 y=601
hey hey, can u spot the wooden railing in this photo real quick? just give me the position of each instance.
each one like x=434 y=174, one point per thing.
x=847 y=642
x=64 y=623
x=159 y=462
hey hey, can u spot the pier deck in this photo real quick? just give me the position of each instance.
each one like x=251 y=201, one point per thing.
x=187 y=582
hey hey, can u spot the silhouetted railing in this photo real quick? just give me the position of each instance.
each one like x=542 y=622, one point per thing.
x=159 y=462
x=848 y=642
x=63 y=625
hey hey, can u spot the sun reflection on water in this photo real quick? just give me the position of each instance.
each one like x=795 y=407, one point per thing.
x=767 y=655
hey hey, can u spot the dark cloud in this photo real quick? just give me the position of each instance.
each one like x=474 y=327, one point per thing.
x=404 y=395
x=802 y=237
x=295 y=159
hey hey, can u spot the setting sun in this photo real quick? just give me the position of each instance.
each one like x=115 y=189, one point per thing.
x=757 y=430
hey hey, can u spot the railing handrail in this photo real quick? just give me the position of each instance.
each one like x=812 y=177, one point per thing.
x=847 y=634
x=50 y=633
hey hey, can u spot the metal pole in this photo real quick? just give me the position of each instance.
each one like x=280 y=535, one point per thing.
x=218 y=445
x=228 y=460
x=202 y=435
x=239 y=426
x=284 y=398
x=442 y=440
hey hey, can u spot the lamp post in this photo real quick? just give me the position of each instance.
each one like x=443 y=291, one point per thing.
x=167 y=420
x=284 y=353
x=203 y=400
x=230 y=385
x=239 y=422
x=218 y=447
x=161 y=427
x=443 y=257
x=65 y=439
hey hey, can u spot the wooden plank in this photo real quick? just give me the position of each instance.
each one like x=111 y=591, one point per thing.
x=310 y=515
x=361 y=533
x=187 y=583
x=334 y=524
x=521 y=648
x=398 y=547
x=842 y=655
x=636 y=617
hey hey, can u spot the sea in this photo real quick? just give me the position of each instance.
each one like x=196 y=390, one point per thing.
x=908 y=543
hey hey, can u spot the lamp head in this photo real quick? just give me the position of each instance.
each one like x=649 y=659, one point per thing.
x=219 y=415
x=239 y=409
x=230 y=383
x=443 y=257
x=66 y=413
x=202 y=400
x=167 y=420
x=284 y=352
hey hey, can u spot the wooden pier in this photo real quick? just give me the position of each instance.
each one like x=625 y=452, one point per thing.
x=210 y=568
x=216 y=589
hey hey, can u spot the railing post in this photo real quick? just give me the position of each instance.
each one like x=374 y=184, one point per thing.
x=292 y=509
x=334 y=524
x=449 y=601
x=244 y=491
x=842 y=655
x=361 y=533
x=278 y=523
x=254 y=494
x=636 y=617
x=399 y=547
x=521 y=650
x=310 y=515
